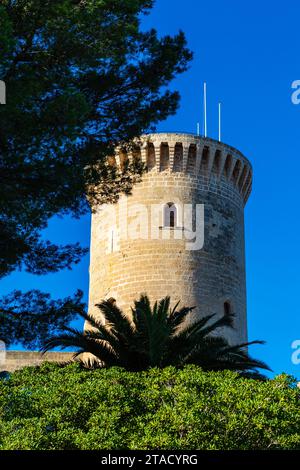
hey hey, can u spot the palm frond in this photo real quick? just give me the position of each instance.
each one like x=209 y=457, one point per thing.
x=244 y=345
x=90 y=319
x=226 y=321
x=177 y=317
x=189 y=328
x=163 y=310
x=152 y=330
x=117 y=319
x=84 y=344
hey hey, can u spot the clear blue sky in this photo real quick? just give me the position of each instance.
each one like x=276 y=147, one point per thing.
x=249 y=56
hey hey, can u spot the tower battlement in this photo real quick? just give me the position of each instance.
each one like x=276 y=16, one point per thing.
x=193 y=155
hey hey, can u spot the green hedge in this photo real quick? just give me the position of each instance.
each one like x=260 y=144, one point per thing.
x=54 y=407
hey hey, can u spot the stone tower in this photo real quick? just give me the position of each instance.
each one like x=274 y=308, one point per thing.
x=144 y=243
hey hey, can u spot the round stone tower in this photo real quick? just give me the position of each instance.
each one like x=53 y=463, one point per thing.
x=181 y=231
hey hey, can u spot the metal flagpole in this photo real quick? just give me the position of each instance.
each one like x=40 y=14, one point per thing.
x=220 y=122
x=205 y=116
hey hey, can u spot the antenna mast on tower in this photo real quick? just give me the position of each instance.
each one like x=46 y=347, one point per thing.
x=205 y=116
x=220 y=122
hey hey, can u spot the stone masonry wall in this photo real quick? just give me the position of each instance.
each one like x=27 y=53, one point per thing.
x=15 y=360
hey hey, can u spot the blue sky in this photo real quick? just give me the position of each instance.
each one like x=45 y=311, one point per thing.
x=248 y=55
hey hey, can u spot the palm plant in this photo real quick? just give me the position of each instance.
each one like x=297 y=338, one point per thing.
x=156 y=337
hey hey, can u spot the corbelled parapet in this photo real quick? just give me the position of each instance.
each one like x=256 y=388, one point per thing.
x=193 y=155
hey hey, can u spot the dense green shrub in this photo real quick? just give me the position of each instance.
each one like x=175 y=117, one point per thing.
x=54 y=407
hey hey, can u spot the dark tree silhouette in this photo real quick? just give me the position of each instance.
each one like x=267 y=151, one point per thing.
x=29 y=318
x=80 y=77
